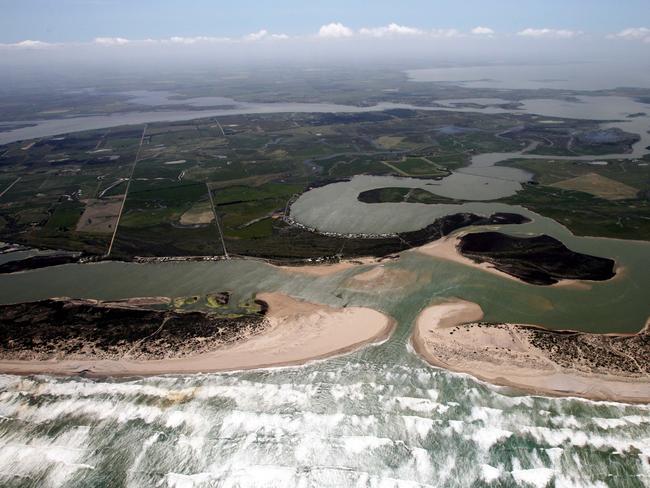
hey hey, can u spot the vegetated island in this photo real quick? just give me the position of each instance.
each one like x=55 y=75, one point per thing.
x=568 y=363
x=539 y=260
x=152 y=335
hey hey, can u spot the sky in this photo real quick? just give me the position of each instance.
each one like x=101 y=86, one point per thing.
x=48 y=36
x=84 y=21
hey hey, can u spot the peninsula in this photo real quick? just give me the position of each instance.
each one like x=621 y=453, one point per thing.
x=143 y=336
x=548 y=362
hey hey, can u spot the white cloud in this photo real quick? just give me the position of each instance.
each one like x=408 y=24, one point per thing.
x=633 y=34
x=28 y=44
x=390 y=30
x=257 y=36
x=482 y=31
x=32 y=44
x=445 y=33
x=194 y=40
x=335 y=30
x=111 y=41
x=264 y=34
x=549 y=33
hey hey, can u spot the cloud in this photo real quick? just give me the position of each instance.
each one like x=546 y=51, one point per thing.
x=28 y=44
x=264 y=34
x=482 y=31
x=445 y=33
x=633 y=34
x=338 y=30
x=121 y=41
x=549 y=33
x=390 y=30
x=335 y=30
x=257 y=36
x=194 y=40
x=111 y=41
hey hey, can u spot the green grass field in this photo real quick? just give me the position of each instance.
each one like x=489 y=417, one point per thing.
x=262 y=162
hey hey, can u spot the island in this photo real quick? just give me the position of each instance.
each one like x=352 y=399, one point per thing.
x=537 y=260
x=542 y=361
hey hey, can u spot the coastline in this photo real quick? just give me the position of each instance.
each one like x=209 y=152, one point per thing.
x=298 y=332
x=449 y=336
x=327 y=269
x=446 y=249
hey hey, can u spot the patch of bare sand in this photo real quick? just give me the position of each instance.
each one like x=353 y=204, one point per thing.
x=447 y=336
x=389 y=142
x=446 y=248
x=598 y=185
x=328 y=269
x=382 y=278
x=100 y=215
x=201 y=213
x=298 y=332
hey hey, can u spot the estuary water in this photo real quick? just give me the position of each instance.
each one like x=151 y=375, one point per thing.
x=376 y=418
x=51 y=127
x=573 y=76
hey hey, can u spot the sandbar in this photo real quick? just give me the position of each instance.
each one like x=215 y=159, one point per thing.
x=327 y=269
x=449 y=335
x=446 y=249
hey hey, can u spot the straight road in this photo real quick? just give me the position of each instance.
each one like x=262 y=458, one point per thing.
x=216 y=219
x=10 y=186
x=126 y=192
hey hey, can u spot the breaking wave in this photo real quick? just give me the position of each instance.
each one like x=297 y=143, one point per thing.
x=339 y=423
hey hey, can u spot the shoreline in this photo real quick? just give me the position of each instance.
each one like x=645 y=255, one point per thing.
x=327 y=269
x=450 y=336
x=299 y=332
x=446 y=249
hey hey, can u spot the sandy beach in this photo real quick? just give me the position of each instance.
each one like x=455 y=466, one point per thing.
x=381 y=278
x=297 y=332
x=446 y=248
x=447 y=335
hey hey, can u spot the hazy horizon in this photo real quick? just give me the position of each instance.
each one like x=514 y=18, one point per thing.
x=41 y=37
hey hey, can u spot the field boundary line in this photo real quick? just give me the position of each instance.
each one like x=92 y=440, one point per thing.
x=216 y=219
x=126 y=192
x=10 y=186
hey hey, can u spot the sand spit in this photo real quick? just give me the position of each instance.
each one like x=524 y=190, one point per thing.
x=447 y=249
x=297 y=332
x=330 y=268
x=537 y=360
x=383 y=278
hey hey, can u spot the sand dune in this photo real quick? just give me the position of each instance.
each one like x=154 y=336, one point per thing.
x=447 y=335
x=298 y=332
